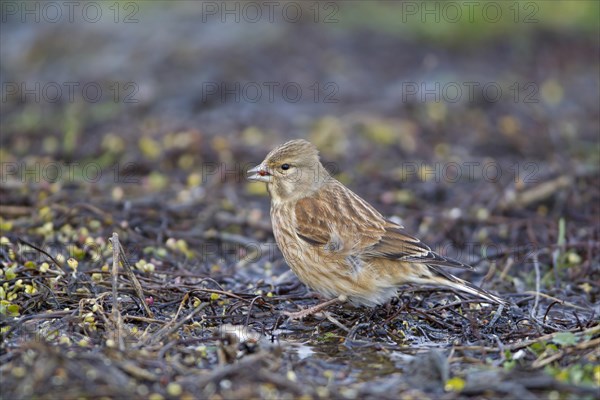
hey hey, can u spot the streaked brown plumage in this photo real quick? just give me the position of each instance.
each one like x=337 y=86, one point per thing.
x=336 y=242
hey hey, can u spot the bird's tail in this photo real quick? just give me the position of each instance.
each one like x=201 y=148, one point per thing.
x=440 y=277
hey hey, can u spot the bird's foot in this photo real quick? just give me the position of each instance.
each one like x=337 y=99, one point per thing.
x=314 y=309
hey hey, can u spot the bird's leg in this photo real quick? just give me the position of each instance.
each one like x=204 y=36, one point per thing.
x=314 y=309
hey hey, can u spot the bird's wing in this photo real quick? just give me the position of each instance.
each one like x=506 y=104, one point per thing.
x=311 y=221
x=339 y=219
x=396 y=244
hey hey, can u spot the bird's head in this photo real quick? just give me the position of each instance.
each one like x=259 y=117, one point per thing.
x=291 y=171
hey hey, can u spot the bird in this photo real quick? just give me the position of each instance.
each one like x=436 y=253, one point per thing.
x=337 y=243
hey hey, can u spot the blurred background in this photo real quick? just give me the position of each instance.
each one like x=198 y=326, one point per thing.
x=474 y=123
x=172 y=85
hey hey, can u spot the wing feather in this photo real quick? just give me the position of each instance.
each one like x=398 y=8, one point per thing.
x=311 y=223
x=396 y=244
x=339 y=219
x=318 y=220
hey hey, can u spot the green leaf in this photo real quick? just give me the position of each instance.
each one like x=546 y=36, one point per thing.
x=538 y=347
x=13 y=310
x=10 y=274
x=509 y=365
x=455 y=384
x=565 y=339
x=7 y=308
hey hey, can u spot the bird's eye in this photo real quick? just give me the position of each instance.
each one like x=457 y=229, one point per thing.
x=285 y=167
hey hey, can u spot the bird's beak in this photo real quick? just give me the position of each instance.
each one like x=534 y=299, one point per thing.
x=260 y=173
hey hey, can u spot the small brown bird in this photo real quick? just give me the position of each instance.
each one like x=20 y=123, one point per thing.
x=337 y=243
